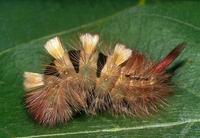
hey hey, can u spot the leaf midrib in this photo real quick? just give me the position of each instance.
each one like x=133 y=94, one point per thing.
x=118 y=129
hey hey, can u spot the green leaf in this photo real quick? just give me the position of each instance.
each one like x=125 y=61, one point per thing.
x=153 y=28
x=23 y=21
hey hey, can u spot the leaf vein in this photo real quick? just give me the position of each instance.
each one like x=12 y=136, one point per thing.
x=162 y=125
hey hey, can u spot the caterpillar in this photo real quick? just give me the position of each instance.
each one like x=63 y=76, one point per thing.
x=121 y=82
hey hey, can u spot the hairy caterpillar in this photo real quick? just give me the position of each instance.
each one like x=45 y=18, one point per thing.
x=128 y=83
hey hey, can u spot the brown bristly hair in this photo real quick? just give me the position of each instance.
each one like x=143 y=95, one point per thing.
x=143 y=86
x=59 y=96
x=49 y=104
x=108 y=77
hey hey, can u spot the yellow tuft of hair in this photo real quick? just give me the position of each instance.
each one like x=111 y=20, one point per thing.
x=54 y=48
x=89 y=43
x=121 y=54
x=32 y=81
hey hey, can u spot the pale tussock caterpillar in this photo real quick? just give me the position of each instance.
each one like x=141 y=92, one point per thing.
x=124 y=83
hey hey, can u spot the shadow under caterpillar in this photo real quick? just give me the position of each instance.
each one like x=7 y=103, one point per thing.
x=123 y=82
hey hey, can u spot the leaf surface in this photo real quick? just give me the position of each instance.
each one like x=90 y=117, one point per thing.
x=153 y=28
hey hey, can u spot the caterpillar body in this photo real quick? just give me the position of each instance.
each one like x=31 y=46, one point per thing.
x=128 y=83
